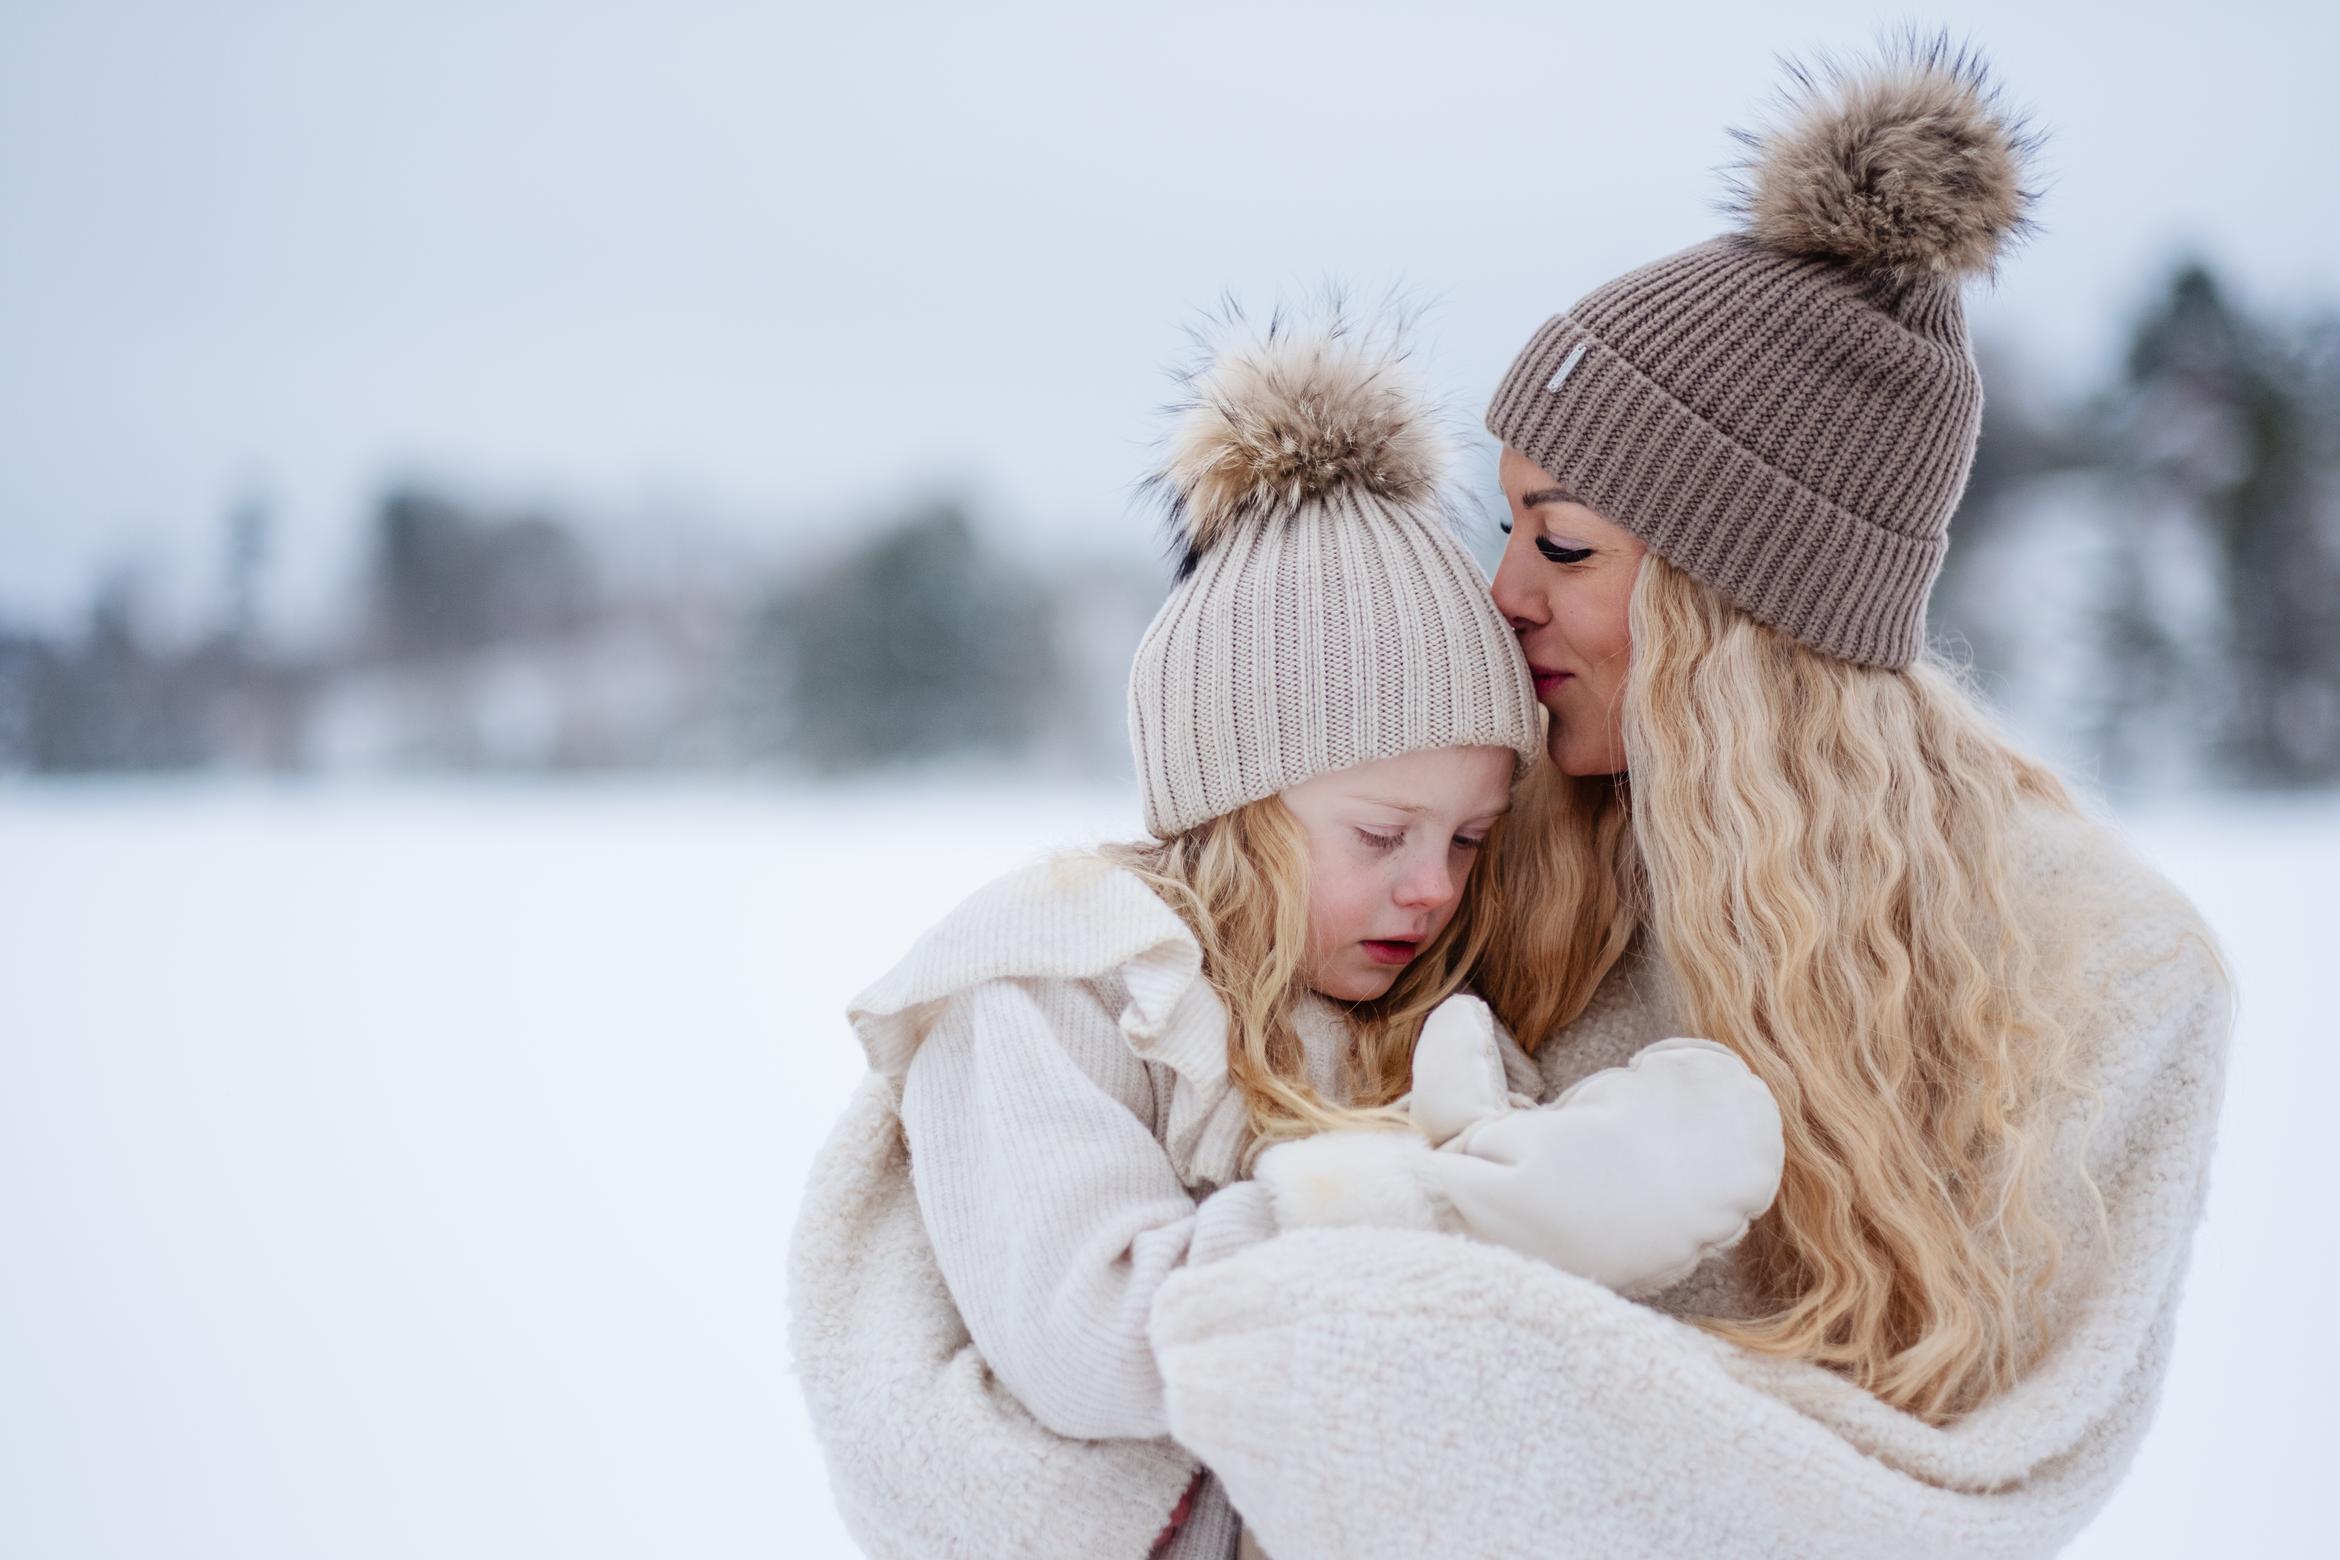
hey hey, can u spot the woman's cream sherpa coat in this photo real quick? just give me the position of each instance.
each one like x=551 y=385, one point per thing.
x=1383 y=1393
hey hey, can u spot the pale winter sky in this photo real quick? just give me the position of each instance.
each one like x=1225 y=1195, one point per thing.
x=776 y=267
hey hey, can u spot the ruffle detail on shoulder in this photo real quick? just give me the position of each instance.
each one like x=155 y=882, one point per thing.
x=1072 y=916
x=1176 y=1020
x=1078 y=916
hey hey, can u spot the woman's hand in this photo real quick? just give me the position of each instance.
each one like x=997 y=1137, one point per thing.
x=1631 y=1177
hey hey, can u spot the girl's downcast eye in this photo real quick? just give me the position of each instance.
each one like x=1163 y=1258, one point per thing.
x=1559 y=554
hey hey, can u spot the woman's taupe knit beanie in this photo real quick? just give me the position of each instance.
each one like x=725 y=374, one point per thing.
x=1789 y=412
x=1324 y=613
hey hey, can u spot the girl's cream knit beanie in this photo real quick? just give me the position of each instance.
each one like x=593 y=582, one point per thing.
x=1324 y=614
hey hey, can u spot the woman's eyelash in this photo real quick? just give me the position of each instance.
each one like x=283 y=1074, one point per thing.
x=1469 y=844
x=1551 y=549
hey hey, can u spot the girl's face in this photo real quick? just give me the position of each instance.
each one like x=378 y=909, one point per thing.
x=1564 y=585
x=1390 y=846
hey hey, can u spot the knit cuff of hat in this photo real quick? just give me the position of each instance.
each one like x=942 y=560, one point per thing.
x=1624 y=446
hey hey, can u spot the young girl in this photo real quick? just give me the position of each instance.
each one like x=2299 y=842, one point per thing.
x=1117 y=1063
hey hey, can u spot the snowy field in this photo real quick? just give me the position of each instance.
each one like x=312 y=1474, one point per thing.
x=408 y=1173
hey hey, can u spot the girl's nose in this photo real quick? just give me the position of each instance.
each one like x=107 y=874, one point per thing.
x=1427 y=884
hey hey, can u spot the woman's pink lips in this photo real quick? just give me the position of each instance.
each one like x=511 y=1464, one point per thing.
x=1547 y=681
x=1389 y=950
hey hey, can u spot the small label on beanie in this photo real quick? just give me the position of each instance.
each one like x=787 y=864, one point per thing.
x=1567 y=367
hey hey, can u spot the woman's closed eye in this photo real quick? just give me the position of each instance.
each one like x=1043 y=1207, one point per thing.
x=1554 y=550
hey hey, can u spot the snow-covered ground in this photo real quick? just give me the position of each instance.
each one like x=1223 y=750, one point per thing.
x=408 y=1172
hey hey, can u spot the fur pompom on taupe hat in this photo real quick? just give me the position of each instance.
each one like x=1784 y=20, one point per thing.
x=1324 y=614
x=1789 y=412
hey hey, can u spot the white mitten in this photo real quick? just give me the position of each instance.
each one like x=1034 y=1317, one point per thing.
x=1631 y=1177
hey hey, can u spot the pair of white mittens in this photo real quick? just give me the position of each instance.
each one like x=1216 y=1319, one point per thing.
x=1631 y=1177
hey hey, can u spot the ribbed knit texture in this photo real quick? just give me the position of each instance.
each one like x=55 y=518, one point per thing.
x=1346 y=630
x=1028 y=1120
x=1055 y=1214
x=1787 y=429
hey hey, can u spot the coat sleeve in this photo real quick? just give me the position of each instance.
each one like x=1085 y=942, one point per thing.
x=1369 y=1393
x=1054 y=1213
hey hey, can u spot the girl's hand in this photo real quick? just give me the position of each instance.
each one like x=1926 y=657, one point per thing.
x=1631 y=1177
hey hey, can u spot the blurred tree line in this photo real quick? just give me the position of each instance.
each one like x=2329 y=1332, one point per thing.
x=2150 y=579
x=2147 y=577
x=486 y=639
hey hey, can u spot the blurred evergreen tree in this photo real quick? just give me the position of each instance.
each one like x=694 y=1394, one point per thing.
x=2234 y=428
x=244 y=565
x=2022 y=442
x=24 y=661
x=446 y=580
x=109 y=701
x=919 y=642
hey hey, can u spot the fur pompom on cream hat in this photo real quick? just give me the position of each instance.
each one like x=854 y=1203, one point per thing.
x=1789 y=412
x=1325 y=613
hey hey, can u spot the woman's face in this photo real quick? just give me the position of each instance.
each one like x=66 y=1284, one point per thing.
x=1390 y=846
x=1564 y=585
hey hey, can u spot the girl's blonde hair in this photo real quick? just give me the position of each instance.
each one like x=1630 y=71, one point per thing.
x=1821 y=853
x=1240 y=882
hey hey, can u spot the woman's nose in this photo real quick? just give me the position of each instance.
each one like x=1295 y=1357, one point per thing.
x=1515 y=596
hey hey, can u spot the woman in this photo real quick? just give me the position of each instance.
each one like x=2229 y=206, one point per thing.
x=1996 y=1040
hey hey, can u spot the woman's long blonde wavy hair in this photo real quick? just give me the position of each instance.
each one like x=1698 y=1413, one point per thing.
x=1240 y=882
x=1820 y=852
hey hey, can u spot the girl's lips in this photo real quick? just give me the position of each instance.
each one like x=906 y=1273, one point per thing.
x=1389 y=950
x=1547 y=681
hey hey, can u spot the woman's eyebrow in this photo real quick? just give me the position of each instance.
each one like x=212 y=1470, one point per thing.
x=1550 y=495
